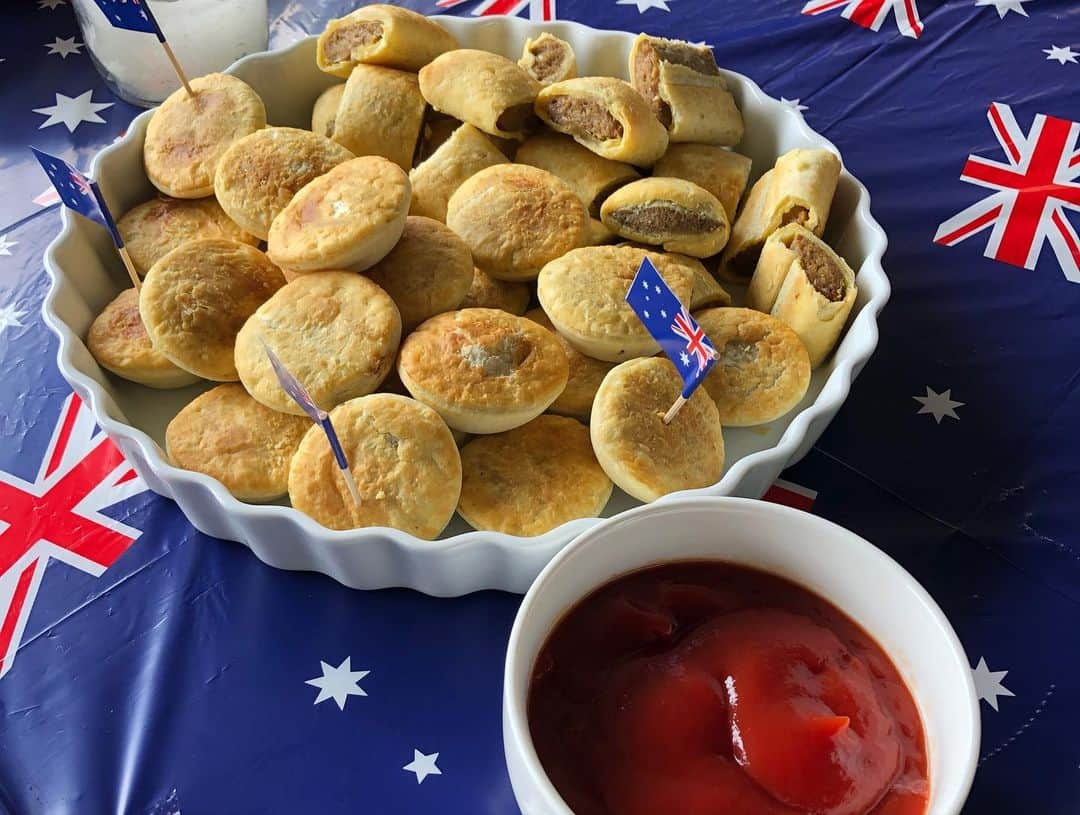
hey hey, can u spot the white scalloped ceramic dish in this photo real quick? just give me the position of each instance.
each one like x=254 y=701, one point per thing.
x=86 y=275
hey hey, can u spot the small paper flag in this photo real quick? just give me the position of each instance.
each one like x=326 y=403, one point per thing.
x=78 y=192
x=133 y=15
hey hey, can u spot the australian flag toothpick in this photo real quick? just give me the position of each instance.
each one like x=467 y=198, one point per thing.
x=671 y=325
x=135 y=15
x=82 y=195
x=291 y=385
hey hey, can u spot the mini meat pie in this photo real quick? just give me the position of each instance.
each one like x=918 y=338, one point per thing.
x=720 y=171
x=592 y=177
x=605 y=115
x=547 y=59
x=324 y=113
x=586 y=374
x=803 y=282
x=798 y=189
x=380 y=114
x=381 y=34
x=486 y=291
x=685 y=90
x=459 y=158
x=483 y=89
x=678 y=215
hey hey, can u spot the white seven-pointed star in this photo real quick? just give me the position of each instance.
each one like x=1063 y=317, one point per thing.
x=73 y=111
x=1062 y=55
x=684 y=358
x=939 y=405
x=422 y=765
x=51 y=4
x=6 y=244
x=645 y=5
x=64 y=47
x=794 y=104
x=9 y=317
x=338 y=683
x=988 y=685
x=1005 y=6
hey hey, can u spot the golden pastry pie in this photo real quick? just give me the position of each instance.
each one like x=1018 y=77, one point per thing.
x=532 y=479
x=516 y=218
x=803 y=282
x=195 y=300
x=380 y=114
x=118 y=341
x=547 y=59
x=605 y=115
x=486 y=291
x=465 y=153
x=593 y=178
x=646 y=458
x=484 y=89
x=404 y=460
x=683 y=85
x=585 y=377
x=324 y=113
x=187 y=135
x=799 y=189
x=349 y=218
x=381 y=34
x=154 y=228
x=337 y=332
x=227 y=435
x=583 y=293
x=428 y=272
x=678 y=215
x=258 y=176
x=762 y=369
x=722 y=172
x=483 y=370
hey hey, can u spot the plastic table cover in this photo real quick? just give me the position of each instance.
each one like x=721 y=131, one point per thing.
x=149 y=669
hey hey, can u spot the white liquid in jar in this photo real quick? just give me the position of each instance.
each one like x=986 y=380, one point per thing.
x=206 y=35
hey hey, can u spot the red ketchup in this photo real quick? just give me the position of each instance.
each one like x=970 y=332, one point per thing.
x=710 y=689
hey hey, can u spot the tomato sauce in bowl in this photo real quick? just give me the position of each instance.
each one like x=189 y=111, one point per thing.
x=701 y=688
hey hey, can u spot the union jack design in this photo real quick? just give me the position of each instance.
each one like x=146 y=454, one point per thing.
x=59 y=516
x=696 y=341
x=1035 y=186
x=539 y=10
x=872 y=13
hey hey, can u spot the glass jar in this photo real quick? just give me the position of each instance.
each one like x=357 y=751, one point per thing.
x=206 y=35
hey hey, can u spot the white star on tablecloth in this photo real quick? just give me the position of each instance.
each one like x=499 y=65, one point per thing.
x=645 y=5
x=1062 y=55
x=663 y=313
x=646 y=314
x=684 y=358
x=338 y=683
x=794 y=104
x=988 y=685
x=51 y=4
x=9 y=317
x=1005 y=6
x=939 y=405
x=422 y=765
x=73 y=111
x=6 y=244
x=64 y=47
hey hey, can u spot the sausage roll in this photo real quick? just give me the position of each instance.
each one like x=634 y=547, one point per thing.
x=593 y=178
x=720 y=171
x=799 y=189
x=547 y=59
x=381 y=35
x=678 y=215
x=380 y=114
x=803 y=282
x=683 y=85
x=607 y=116
x=463 y=155
x=486 y=90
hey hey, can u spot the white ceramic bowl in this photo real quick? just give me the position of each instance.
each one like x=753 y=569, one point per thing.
x=86 y=275
x=854 y=575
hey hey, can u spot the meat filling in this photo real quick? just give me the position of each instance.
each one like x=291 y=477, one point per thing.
x=821 y=270
x=738 y=354
x=665 y=218
x=693 y=57
x=548 y=57
x=602 y=195
x=647 y=70
x=795 y=215
x=515 y=118
x=339 y=45
x=585 y=116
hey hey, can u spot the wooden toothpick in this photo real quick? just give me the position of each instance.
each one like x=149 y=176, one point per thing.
x=178 y=68
x=134 y=275
x=674 y=410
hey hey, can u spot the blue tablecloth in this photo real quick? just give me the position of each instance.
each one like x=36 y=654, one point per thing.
x=150 y=669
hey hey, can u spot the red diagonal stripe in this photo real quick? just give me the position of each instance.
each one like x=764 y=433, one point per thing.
x=71 y=413
x=823 y=7
x=967 y=229
x=11 y=616
x=1003 y=134
x=866 y=12
x=913 y=17
x=502 y=7
x=1075 y=160
x=1067 y=235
